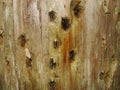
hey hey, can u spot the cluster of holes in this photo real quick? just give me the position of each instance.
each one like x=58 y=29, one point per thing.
x=65 y=24
x=105 y=3
x=107 y=12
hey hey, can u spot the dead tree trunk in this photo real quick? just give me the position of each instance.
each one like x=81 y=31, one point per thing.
x=59 y=44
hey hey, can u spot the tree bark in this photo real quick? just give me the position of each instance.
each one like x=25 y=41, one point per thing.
x=59 y=44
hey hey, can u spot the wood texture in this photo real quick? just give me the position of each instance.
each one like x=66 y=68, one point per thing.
x=59 y=44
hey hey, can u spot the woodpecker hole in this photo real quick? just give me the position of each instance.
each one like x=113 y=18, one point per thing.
x=103 y=75
x=76 y=7
x=22 y=40
x=28 y=62
x=1 y=39
x=105 y=3
x=52 y=63
x=52 y=15
x=72 y=55
x=1 y=33
x=7 y=61
x=65 y=22
x=56 y=43
x=52 y=85
x=77 y=10
x=113 y=56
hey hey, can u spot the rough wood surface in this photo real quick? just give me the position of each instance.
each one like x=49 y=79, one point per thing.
x=59 y=44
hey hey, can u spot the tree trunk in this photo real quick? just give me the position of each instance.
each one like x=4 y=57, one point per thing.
x=59 y=44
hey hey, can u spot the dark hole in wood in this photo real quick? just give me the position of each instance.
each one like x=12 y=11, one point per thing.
x=7 y=61
x=65 y=22
x=1 y=39
x=22 y=40
x=72 y=55
x=105 y=3
x=52 y=15
x=28 y=62
x=113 y=56
x=1 y=36
x=103 y=38
x=52 y=63
x=107 y=13
x=52 y=85
x=1 y=33
x=101 y=75
x=119 y=15
x=64 y=6
x=77 y=9
x=56 y=43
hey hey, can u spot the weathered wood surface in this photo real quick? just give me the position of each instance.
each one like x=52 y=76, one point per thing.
x=59 y=44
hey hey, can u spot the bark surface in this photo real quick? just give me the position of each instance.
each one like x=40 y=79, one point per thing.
x=59 y=44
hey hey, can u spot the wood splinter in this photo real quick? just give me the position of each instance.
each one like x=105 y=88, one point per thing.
x=28 y=58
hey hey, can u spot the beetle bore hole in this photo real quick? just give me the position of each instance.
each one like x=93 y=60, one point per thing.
x=52 y=15
x=1 y=38
x=22 y=40
x=77 y=10
x=72 y=55
x=52 y=85
x=1 y=33
x=65 y=23
x=76 y=7
x=7 y=61
x=52 y=63
x=56 y=43
x=28 y=62
x=103 y=75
